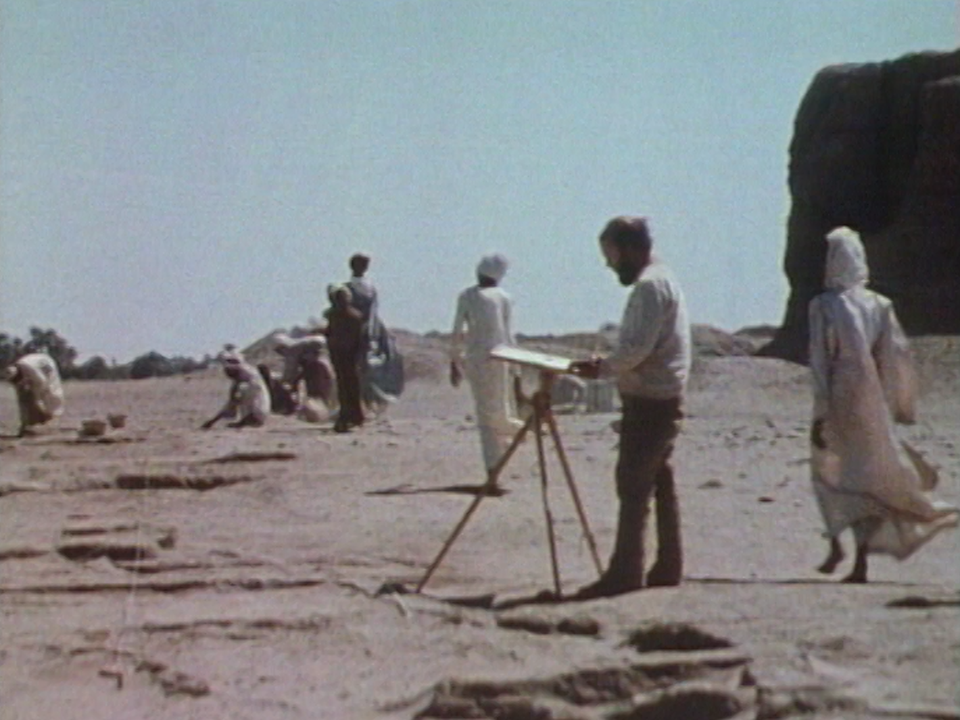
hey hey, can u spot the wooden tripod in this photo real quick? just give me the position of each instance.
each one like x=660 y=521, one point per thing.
x=542 y=415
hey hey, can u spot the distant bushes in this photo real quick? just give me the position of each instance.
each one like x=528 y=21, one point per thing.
x=49 y=341
x=151 y=364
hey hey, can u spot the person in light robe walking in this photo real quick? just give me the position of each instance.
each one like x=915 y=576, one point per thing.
x=483 y=321
x=864 y=477
x=36 y=380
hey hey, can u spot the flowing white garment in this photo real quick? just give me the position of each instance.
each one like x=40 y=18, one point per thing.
x=482 y=322
x=863 y=381
x=42 y=379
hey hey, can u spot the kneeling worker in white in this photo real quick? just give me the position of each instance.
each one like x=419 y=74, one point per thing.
x=39 y=391
x=249 y=399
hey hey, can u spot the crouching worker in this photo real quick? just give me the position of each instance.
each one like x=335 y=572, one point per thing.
x=249 y=400
x=303 y=360
x=282 y=399
x=36 y=380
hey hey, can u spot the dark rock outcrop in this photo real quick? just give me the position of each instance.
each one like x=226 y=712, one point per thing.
x=877 y=147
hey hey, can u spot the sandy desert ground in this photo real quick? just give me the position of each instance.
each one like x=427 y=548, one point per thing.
x=168 y=573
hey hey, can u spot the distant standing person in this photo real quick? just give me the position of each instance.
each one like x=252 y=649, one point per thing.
x=483 y=321
x=651 y=364
x=344 y=333
x=36 y=380
x=862 y=475
x=363 y=295
x=381 y=366
x=249 y=398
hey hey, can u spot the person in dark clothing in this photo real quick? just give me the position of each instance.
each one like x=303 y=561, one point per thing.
x=651 y=364
x=344 y=333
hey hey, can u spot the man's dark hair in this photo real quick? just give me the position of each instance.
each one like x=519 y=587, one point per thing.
x=628 y=232
x=359 y=263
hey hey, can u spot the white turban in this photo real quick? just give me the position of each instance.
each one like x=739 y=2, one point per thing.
x=846 y=260
x=493 y=267
x=229 y=355
x=334 y=289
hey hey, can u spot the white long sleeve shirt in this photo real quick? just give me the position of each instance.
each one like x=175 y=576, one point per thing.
x=481 y=323
x=654 y=353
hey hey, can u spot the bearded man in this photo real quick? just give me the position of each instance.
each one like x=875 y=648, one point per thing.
x=651 y=365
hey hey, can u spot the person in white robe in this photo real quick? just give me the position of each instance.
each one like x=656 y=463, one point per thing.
x=864 y=478
x=304 y=359
x=36 y=380
x=249 y=397
x=483 y=321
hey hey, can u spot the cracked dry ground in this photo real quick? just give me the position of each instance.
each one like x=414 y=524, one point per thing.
x=171 y=573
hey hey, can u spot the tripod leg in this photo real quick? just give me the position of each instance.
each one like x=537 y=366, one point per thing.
x=492 y=481
x=450 y=540
x=541 y=459
x=494 y=473
x=591 y=542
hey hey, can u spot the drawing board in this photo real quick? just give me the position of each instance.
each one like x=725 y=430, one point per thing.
x=531 y=358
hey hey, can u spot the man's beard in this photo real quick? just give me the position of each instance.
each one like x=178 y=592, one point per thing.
x=628 y=271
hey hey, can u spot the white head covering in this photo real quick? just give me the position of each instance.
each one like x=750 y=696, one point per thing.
x=334 y=289
x=493 y=266
x=846 y=260
x=229 y=355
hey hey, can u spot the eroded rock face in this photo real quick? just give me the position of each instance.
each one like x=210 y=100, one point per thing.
x=877 y=147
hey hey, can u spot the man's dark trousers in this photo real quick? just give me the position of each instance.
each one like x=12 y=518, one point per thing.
x=648 y=431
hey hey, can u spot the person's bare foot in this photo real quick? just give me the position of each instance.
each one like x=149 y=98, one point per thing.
x=859 y=573
x=834 y=558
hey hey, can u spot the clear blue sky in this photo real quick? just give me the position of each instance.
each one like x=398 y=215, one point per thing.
x=176 y=174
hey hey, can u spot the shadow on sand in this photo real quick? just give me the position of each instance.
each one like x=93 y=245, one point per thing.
x=408 y=489
x=491 y=601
